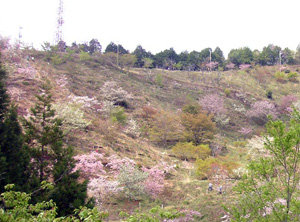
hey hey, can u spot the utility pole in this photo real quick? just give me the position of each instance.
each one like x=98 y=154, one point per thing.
x=118 y=54
x=280 y=58
x=20 y=35
x=210 y=59
x=280 y=61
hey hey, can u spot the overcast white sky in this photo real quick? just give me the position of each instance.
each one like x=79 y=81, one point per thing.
x=158 y=24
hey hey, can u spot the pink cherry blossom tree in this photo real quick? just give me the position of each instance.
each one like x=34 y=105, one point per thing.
x=90 y=164
x=213 y=103
x=154 y=183
x=212 y=65
x=286 y=103
x=244 y=66
x=260 y=111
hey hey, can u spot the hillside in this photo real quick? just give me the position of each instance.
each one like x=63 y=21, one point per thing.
x=87 y=85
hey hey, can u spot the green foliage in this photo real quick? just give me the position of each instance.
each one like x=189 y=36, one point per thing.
x=227 y=91
x=112 y=47
x=16 y=156
x=16 y=207
x=51 y=159
x=165 y=128
x=269 y=94
x=292 y=76
x=72 y=116
x=4 y=100
x=155 y=214
x=148 y=63
x=89 y=215
x=204 y=167
x=269 y=55
x=68 y=193
x=132 y=181
x=127 y=60
x=118 y=115
x=56 y=59
x=280 y=76
x=199 y=128
x=190 y=151
x=270 y=191
x=84 y=56
x=159 y=80
x=240 y=56
x=191 y=109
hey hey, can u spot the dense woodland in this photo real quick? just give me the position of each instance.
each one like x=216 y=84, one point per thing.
x=88 y=135
x=206 y=59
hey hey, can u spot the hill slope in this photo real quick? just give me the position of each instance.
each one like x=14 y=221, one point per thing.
x=89 y=87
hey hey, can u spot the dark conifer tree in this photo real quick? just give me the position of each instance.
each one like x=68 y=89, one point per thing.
x=16 y=155
x=4 y=101
x=14 y=158
x=52 y=160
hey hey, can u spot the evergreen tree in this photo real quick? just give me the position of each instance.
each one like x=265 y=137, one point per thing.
x=51 y=159
x=4 y=100
x=14 y=158
x=16 y=155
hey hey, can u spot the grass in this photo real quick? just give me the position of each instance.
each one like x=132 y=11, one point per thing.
x=183 y=189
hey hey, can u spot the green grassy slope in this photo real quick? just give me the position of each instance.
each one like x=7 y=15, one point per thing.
x=163 y=89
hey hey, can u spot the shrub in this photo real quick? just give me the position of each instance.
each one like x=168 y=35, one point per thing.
x=204 y=167
x=132 y=180
x=84 y=56
x=71 y=115
x=115 y=94
x=280 y=77
x=292 y=76
x=132 y=129
x=221 y=119
x=227 y=91
x=159 y=80
x=118 y=115
x=56 y=60
x=269 y=94
x=190 y=151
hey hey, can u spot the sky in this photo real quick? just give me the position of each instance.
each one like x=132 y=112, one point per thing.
x=157 y=25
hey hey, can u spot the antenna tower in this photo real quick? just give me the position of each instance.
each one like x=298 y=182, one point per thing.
x=60 y=22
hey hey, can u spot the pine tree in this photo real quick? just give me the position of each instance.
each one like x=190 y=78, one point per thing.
x=3 y=109
x=52 y=160
x=4 y=99
x=14 y=158
x=12 y=148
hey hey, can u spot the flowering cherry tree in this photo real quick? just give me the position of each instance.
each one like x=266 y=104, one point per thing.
x=101 y=187
x=244 y=66
x=116 y=163
x=286 y=103
x=213 y=103
x=90 y=164
x=212 y=65
x=230 y=66
x=154 y=183
x=260 y=111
